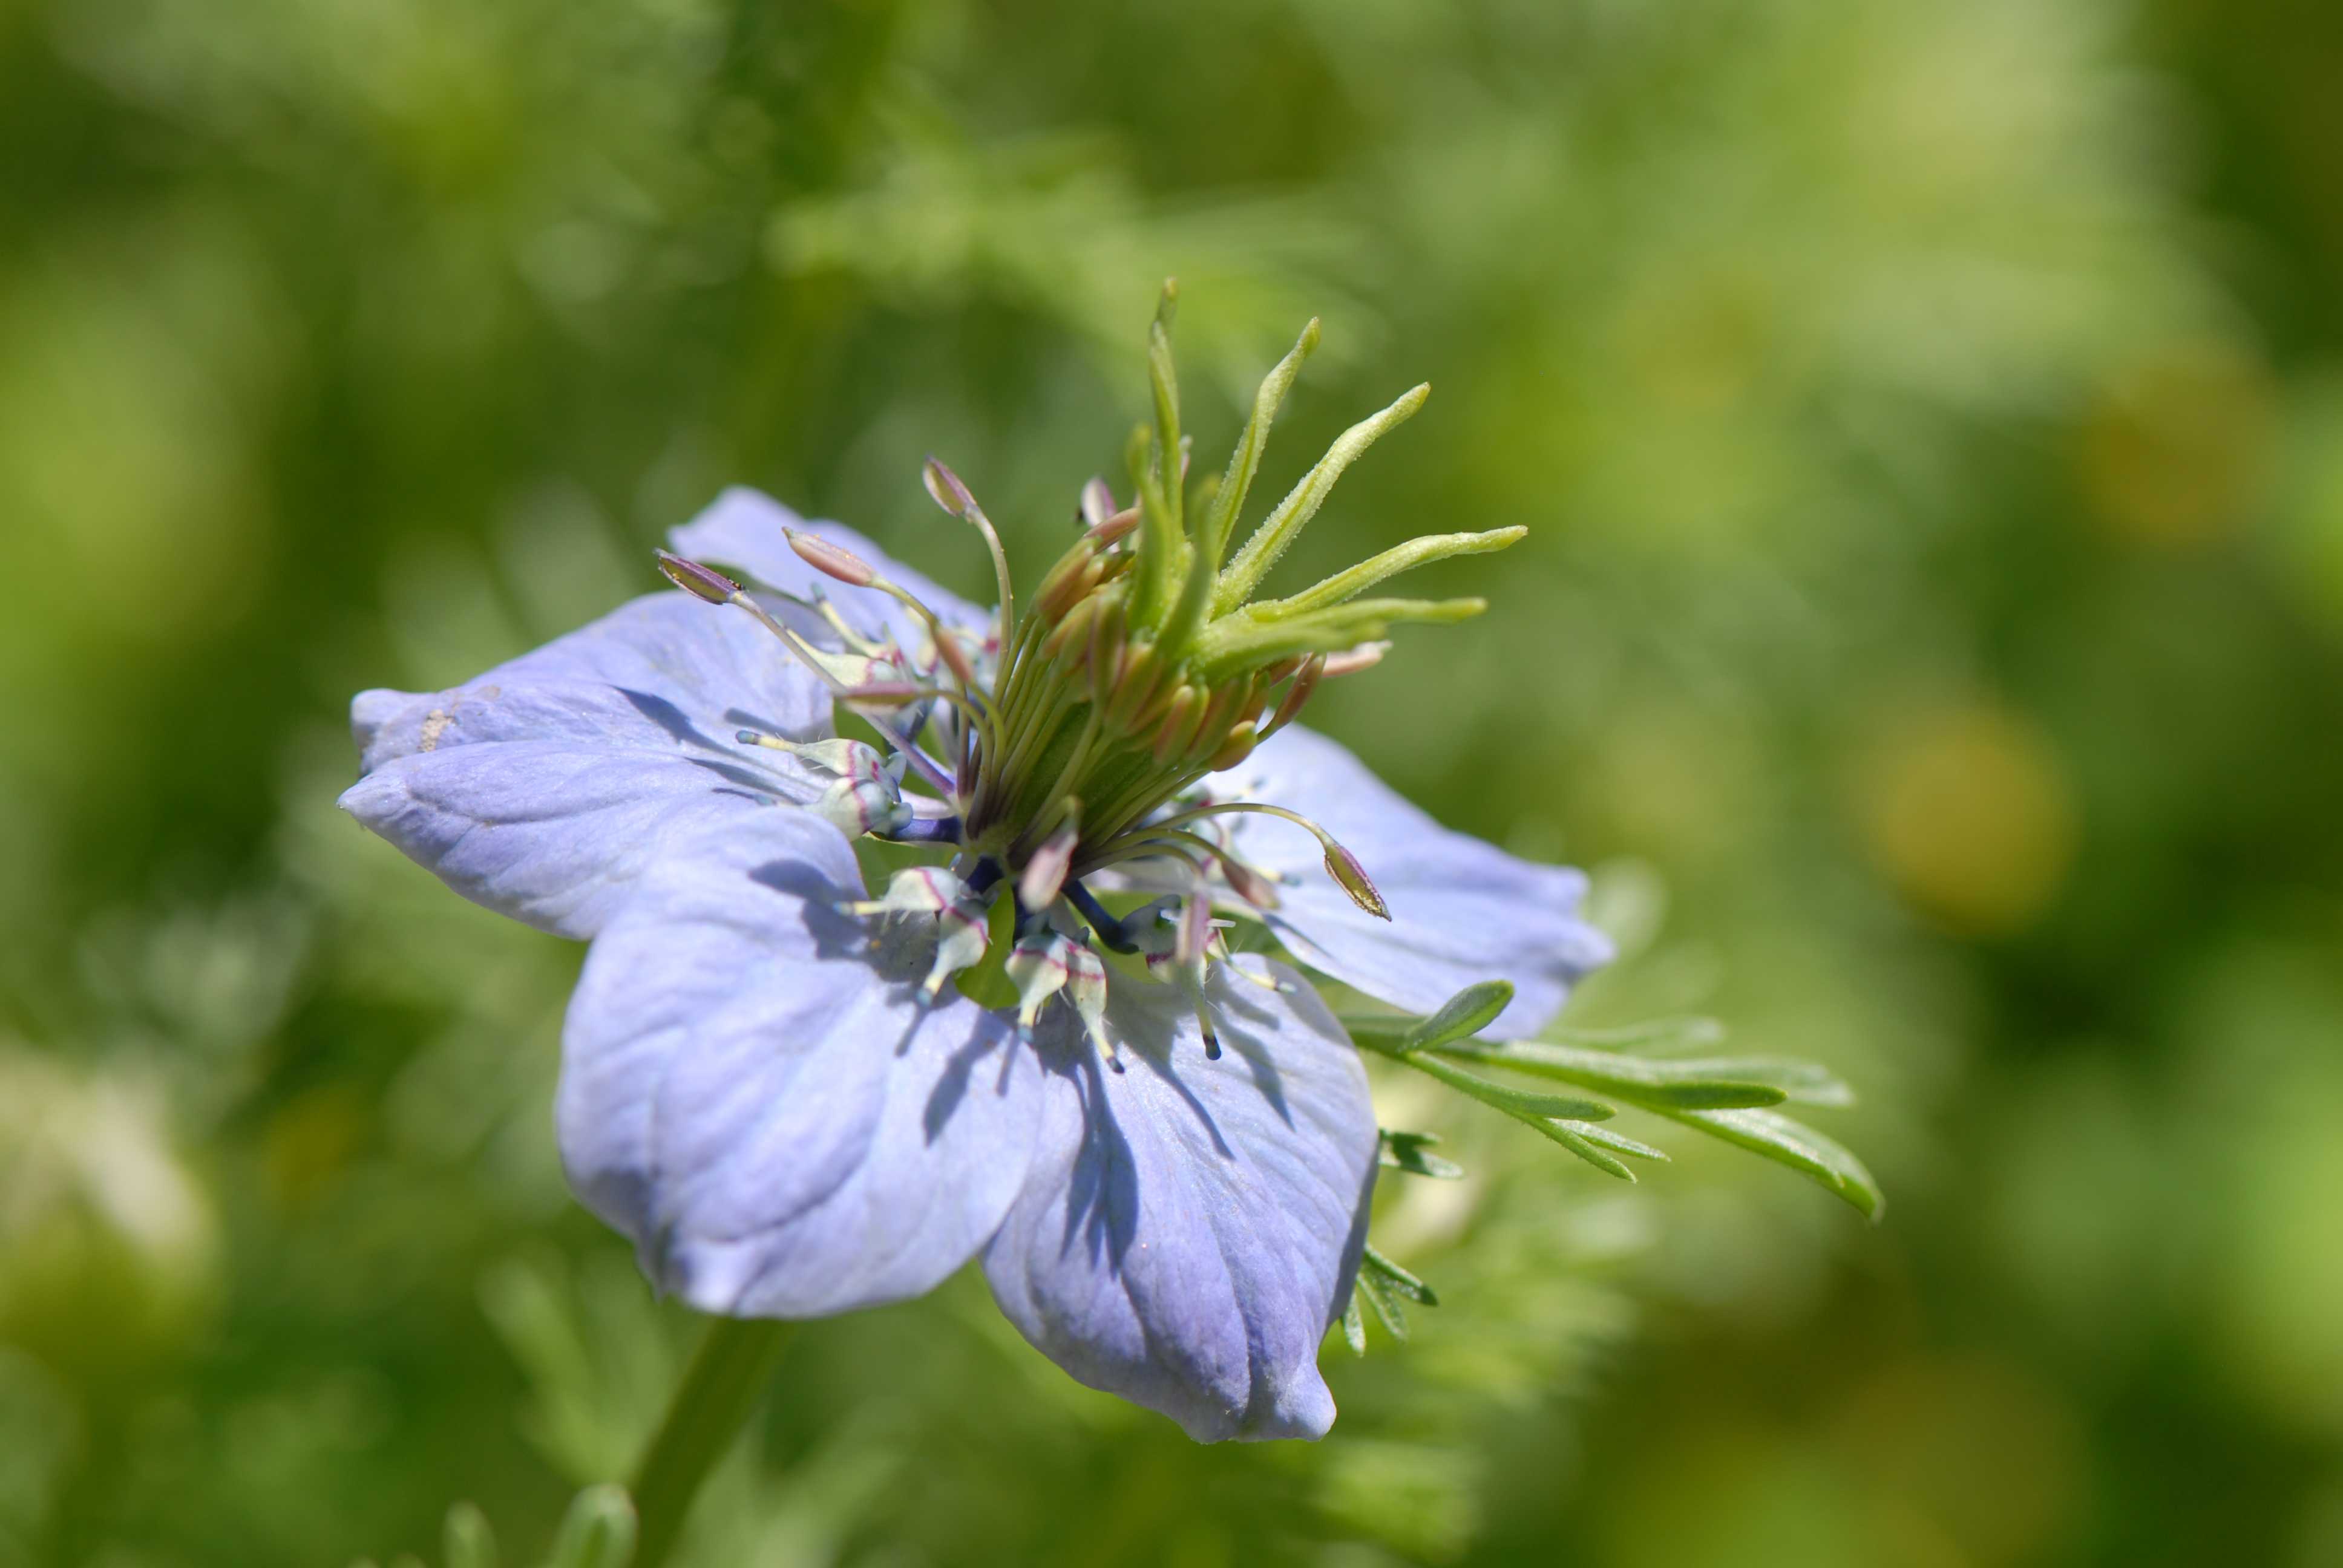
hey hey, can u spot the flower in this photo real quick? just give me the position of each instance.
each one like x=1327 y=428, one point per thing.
x=798 y=1098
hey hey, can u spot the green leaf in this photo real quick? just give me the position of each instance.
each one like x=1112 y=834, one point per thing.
x=469 y=1541
x=1572 y=1136
x=1653 y=1034
x=1501 y=1097
x=1396 y=1279
x=1655 y=1085
x=1468 y=1012
x=1795 y=1145
x=1618 y=1143
x=598 y=1532
x=1386 y=1308
x=1354 y=1327
x=1407 y=1151
x=1802 y=1082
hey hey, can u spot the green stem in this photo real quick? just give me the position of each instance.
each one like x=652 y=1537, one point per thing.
x=719 y=1389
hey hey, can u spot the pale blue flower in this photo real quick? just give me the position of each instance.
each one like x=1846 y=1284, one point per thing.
x=1163 y=1161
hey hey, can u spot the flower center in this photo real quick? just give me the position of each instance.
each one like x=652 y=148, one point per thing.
x=1072 y=739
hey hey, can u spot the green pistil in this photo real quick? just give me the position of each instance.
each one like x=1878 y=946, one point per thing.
x=1143 y=663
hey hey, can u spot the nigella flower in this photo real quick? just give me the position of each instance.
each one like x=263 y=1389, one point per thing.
x=1079 y=1041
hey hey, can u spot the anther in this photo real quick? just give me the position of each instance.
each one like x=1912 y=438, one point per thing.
x=1194 y=931
x=1074 y=626
x=1305 y=681
x=832 y=560
x=1117 y=526
x=1247 y=883
x=1234 y=750
x=1130 y=687
x=962 y=936
x=1176 y=728
x=1086 y=989
x=1076 y=573
x=1097 y=503
x=1345 y=868
x=1045 y=871
x=705 y=583
x=1352 y=660
x=914 y=890
x=955 y=498
x=1038 y=969
x=945 y=487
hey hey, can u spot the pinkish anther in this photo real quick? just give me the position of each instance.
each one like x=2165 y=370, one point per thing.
x=700 y=582
x=832 y=560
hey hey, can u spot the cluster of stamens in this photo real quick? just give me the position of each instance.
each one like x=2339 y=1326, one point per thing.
x=1075 y=738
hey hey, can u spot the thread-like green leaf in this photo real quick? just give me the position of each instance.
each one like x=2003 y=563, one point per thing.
x=1795 y=1145
x=1618 y=1143
x=1572 y=1136
x=1653 y=1034
x=1502 y=1096
x=1396 y=1279
x=1468 y=1012
x=1644 y=1080
x=1379 y=1301
x=1408 y=1152
x=1802 y=1082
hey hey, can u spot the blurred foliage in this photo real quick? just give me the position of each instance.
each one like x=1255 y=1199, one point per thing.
x=1930 y=422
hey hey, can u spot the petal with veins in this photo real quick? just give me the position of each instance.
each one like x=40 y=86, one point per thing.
x=751 y=1090
x=544 y=788
x=1461 y=910
x=1191 y=1228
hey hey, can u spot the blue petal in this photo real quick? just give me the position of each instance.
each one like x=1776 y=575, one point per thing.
x=1461 y=910
x=544 y=788
x=748 y=529
x=1191 y=1228
x=750 y=1091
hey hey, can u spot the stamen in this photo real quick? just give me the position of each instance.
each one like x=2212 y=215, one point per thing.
x=1183 y=950
x=1194 y=931
x=914 y=890
x=1038 y=966
x=836 y=560
x=1341 y=864
x=1305 y=682
x=1086 y=989
x=828 y=610
x=954 y=497
x=1117 y=527
x=1251 y=885
x=849 y=568
x=1352 y=660
x=700 y=580
x=963 y=934
x=1233 y=750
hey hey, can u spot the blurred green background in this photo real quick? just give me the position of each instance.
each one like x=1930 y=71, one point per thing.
x=1930 y=423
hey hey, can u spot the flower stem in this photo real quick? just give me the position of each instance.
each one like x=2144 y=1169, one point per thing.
x=719 y=1389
